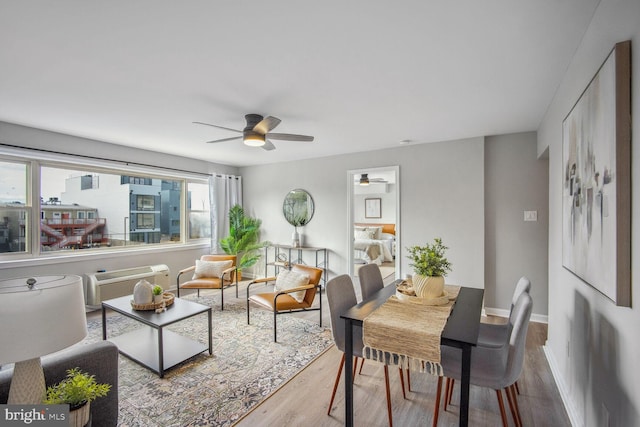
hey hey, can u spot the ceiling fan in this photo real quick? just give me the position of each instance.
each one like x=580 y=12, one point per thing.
x=365 y=180
x=257 y=132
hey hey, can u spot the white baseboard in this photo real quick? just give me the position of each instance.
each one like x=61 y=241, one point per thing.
x=540 y=318
x=574 y=417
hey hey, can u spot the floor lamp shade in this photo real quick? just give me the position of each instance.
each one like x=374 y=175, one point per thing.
x=38 y=316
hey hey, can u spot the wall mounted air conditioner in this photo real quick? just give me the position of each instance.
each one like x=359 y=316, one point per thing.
x=117 y=283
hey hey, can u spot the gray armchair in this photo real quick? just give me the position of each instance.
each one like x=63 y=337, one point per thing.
x=99 y=359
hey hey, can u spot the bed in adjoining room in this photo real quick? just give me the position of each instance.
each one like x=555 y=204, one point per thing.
x=374 y=243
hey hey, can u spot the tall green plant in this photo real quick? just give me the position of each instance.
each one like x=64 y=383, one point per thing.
x=243 y=239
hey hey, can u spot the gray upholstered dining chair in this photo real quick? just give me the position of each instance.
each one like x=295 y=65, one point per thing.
x=495 y=334
x=342 y=296
x=370 y=279
x=493 y=367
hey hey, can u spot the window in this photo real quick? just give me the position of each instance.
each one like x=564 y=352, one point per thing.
x=94 y=208
x=198 y=210
x=145 y=203
x=14 y=207
x=145 y=221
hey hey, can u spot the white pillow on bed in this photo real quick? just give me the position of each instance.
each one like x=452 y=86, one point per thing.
x=387 y=236
x=366 y=234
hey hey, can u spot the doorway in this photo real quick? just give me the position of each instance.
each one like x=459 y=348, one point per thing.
x=374 y=220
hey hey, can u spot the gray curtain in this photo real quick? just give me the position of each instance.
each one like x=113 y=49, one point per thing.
x=224 y=192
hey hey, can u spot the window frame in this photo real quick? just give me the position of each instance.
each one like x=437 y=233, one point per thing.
x=35 y=160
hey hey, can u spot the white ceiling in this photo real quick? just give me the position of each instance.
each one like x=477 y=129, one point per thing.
x=358 y=74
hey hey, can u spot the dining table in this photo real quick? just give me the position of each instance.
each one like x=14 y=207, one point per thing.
x=460 y=331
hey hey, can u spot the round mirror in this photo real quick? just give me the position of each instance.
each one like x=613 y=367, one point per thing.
x=298 y=208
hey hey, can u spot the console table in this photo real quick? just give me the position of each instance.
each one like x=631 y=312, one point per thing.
x=321 y=260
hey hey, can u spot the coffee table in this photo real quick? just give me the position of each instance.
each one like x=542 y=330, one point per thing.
x=164 y=349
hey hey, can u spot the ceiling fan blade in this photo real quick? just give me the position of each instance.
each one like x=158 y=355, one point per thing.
x=224 y=139
x=289 y=137
x=268 y=145
x=266 y=124
x=219 y=127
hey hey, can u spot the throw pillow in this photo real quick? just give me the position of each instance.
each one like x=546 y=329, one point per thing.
x=288 y=279
x=366 y=234
x=211 y=268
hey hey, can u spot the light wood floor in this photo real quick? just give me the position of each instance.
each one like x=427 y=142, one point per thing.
x=304 y=400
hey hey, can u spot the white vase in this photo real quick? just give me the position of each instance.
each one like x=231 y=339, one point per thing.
x=295 y=239
x=428 y=287
x=143 y=292
x=80 y=417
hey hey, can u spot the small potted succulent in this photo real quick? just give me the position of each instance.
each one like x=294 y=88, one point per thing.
x=429 y=265
x=157 y=293
x=77 y=390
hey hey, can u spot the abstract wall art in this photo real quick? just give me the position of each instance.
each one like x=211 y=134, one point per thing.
x=596 y=194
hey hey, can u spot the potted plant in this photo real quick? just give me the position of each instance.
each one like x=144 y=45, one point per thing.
x=77 y=390
x=430 y=266
x=157 y=293
x=243 y=239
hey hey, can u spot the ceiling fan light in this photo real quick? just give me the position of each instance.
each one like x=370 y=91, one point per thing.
x=254 y=140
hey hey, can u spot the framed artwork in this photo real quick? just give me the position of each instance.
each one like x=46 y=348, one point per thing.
x=596 y=194
x=372 y=208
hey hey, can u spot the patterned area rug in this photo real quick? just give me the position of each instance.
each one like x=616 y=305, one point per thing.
x=215 y=390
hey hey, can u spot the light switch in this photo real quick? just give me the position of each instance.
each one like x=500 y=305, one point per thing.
x=530 y=215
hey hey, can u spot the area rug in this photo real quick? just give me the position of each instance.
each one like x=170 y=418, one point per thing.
x=219 y=389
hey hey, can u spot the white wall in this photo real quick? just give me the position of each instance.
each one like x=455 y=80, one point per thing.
x=442 y=195
x=82 y=263
x=387 y=195
x=593 y=345
x=515 y=181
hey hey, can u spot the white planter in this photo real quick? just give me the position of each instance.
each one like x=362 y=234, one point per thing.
x=428 y=287
x=79 y=417
x=157 y=298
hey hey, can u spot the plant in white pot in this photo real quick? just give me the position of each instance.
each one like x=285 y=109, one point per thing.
x=157 y=293
x=77 y=390
x=429 y=266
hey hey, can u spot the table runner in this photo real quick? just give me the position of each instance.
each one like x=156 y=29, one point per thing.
x=407 y=333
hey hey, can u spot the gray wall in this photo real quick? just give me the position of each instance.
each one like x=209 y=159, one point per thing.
x=176 y=258
x=593 y=345
x=442 y=194
x=515 y=182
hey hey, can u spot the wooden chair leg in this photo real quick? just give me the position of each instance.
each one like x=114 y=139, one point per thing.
x=446 y=394
x=517 y=388
x=386 y=380
x=436 y=410
x=513 y=402
x=512 y=408
x=355 y=366
x=404 y=395
x=503 y=414
x=361 y=365
x=408 y=380
x=335 y=385
x=449 y=393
